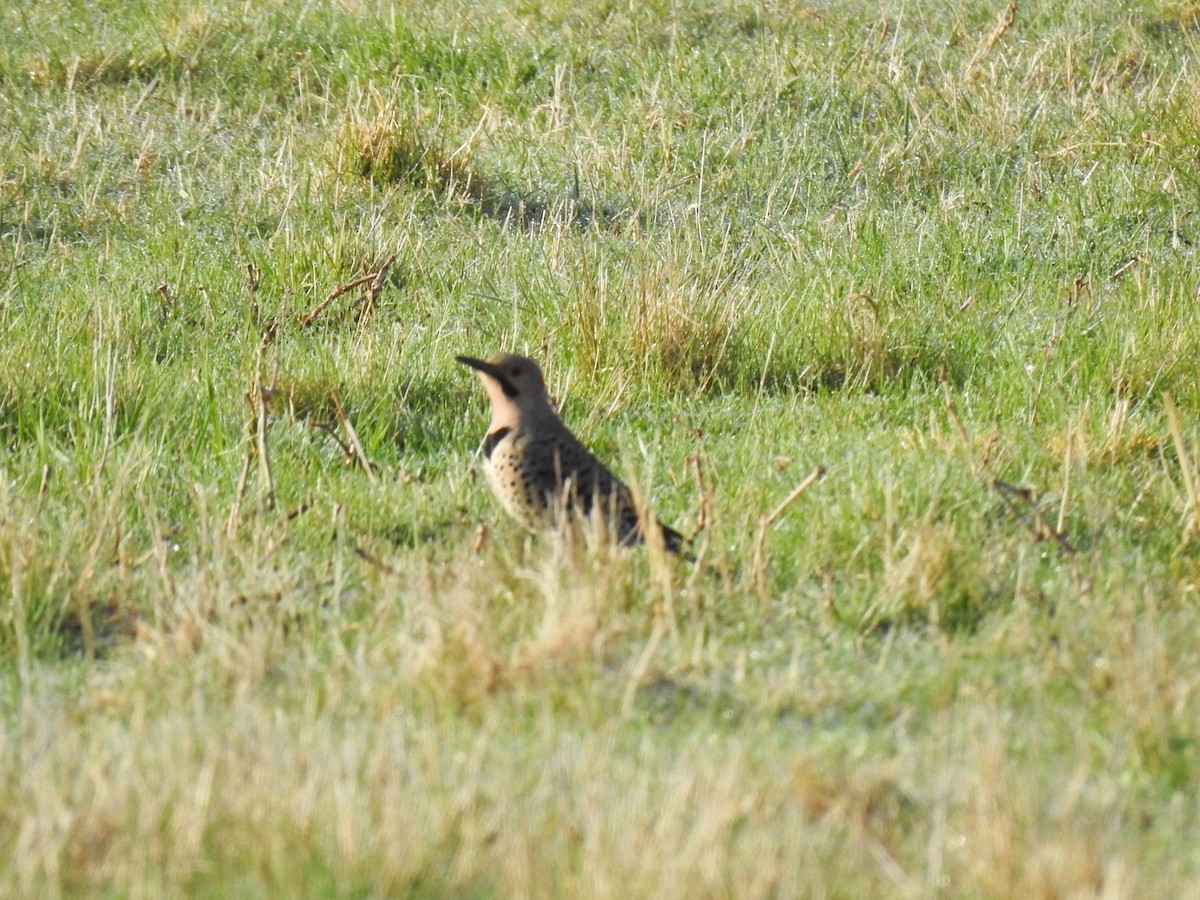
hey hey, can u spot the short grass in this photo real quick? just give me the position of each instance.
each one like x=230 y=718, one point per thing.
x=945 y=250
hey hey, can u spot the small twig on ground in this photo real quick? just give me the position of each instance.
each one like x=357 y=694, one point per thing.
x=308 y=318
x=765 y=523
x=374 y=288
x=240 y=493
x=1079 y=287
x=370 y=558
x=253 y=276
x=1036 y=520
x=327 y=428
x=258 y=401
x=257 y=447
x=373 y=281
x=356 y=454
x=264 y=456
x=253 y=280
x=1124 y=267
x=164 y=300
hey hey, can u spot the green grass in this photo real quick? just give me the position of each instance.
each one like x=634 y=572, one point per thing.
x=952 y=263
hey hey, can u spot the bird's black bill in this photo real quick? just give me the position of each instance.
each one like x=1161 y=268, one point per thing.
x=476 y=364
x=491 y=371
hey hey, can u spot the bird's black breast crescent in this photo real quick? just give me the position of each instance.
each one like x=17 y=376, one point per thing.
x=490 y=442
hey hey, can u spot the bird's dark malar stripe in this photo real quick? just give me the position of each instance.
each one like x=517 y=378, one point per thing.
x=507 y=386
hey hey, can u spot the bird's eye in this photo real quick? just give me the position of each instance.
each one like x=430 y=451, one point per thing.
x=516 y=373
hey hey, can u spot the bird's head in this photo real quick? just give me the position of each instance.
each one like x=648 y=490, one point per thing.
x=515 y=386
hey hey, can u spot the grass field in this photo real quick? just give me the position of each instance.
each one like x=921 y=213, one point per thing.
x=266 y=632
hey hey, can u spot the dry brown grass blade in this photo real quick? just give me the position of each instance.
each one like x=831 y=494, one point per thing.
x=1006 y=21
x=257 y=446
x=1062 y=508
x=1187 y=465
x=765 y=523
x=263 y=449
x=641 y=666
x=1007 y=18
x=240 y=493
x=354 y=449
x=1124 y=267
x=17 y=567
x=702 y=515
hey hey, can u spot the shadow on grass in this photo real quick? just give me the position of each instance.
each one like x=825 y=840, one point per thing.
x=1179 y=20
x=397 y=154
x=94 y=71
x=38 y=414
x=95 y=630
x=323 y=874
x=883 y=371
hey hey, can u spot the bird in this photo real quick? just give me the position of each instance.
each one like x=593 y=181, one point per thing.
x=540 y=472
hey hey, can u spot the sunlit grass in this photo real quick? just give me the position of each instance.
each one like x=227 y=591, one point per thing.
x=946 y=257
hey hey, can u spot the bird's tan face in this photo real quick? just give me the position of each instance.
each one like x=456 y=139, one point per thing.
x=515 y=386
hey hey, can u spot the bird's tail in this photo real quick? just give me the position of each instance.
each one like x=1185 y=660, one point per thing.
x=675 y=542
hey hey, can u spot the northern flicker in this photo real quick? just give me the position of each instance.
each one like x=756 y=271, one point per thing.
x=538 y=470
